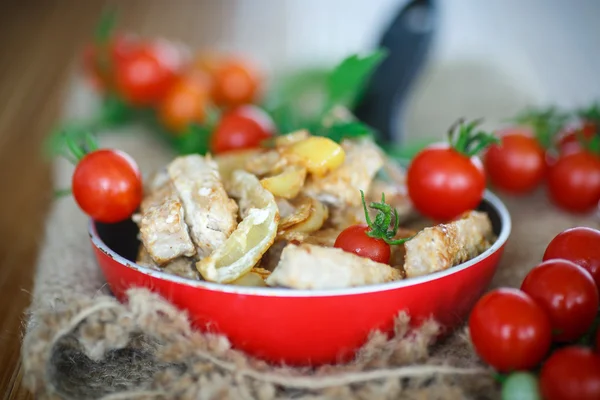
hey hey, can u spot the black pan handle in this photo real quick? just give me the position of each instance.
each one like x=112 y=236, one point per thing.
x=407 y=40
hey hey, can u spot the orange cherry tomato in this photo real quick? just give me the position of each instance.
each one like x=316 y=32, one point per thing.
x=235 y=83
x=185 y=102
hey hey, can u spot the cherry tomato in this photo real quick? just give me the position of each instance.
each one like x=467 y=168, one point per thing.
x=236 y=83
x=107 y=185
x=245 y=127
x=574 y=181
x=567 y=293
x=99 y=63
x=509 y=330
x=518 y=164
x=354 y=239
x=568 y=140
x=571 y=373
x=145 y=75
x=580 y=245
x=443 y=183
x=185 y=102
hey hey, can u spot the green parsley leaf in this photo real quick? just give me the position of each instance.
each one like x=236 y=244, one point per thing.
x=194 y=141
x=347 y=81
x=341 y=130
x=114 y=112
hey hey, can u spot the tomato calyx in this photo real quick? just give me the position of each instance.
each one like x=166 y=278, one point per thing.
x=590 y=144
x=545 y=123
x=77 y=151
x=74 y=153
x=103 y=36
x=386 y=216
x=465 y=140
x=590 y=114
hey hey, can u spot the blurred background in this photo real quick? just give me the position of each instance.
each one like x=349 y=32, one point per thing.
x=487 y=59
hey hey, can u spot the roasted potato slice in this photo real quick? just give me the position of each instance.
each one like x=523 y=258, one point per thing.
x=317 y=154
x=286 y=184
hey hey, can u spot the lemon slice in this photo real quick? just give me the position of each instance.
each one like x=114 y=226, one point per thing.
x=252 y=237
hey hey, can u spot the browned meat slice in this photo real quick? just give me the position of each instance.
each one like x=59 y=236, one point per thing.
x=163 y=230
x=443 y=246
x=308 y=266
x=209 y=212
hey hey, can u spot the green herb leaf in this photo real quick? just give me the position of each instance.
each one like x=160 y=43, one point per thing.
x=114 y=112
x=591 y=114
x=409 y=150
x=342 y=130
x=195 y=141
x=347 y=81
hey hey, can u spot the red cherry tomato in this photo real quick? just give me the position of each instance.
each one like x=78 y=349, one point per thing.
x=107 y=185
x=568 y=141
x=443 y=183
x=145 y=75
x=509 y=330
x=245 y=127
x=571 y=373
x=518 y=164
x=567 y=293
x=236 y=83
x=354 y=239
x=574 y=181
x=580 y=245
x=99 y=62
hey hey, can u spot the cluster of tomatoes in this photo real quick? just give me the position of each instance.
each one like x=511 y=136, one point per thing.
x=554 y=147
x=181 y=90
x=516 y=160
x=545 y=335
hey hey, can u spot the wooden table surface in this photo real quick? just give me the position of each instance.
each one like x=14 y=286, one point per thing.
x=39 y=40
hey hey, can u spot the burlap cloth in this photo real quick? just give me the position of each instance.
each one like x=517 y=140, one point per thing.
x=81 y=343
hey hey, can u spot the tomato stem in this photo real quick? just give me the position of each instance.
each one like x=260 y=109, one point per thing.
x=545 y=123
x=75 y=149
x=590 y=144
x=105 y=26
x=467 y=141
x=74 y=152
x=386 y=216
x=62 y=192
x=590 y=114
